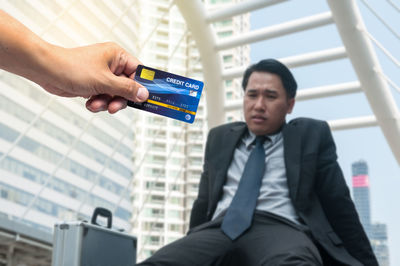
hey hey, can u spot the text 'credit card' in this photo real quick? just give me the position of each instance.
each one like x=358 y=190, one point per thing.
x=170 y=95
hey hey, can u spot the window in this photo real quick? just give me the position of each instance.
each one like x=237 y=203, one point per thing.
x=160 y=186
x=228 y=58
x=193 y=187
x=157 y=199
x=150 y=226
x=195 y=161
x=4 y=193
x=224 y=34
x=155 y=212
x=156 y=133
x=224 y=23
x=174 y=214
x=175 y=200
x=177 y=135
x=157 y=146
x=158 y=159
x=174 y=187
x=175 y=228
x=154 y=240
x=157 y=120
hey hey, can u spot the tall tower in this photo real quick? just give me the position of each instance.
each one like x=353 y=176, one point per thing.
x=361 y=193
x=168 y=154
x=376 y=232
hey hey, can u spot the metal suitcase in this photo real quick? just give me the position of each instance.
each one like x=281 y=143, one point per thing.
x=88 y=244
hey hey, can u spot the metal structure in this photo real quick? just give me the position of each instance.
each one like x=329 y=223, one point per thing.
x=357 y=46
x=20 y=245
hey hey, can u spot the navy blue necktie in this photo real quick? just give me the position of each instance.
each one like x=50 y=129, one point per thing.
x=240 y=213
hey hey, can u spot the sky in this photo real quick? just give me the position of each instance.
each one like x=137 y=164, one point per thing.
x=367 y=144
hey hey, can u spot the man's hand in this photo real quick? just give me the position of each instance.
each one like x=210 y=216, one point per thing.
x=102 y=72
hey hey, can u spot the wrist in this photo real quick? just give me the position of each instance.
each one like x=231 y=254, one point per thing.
x=44 y=63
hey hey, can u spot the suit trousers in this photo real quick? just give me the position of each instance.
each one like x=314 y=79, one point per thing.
x=270 y=241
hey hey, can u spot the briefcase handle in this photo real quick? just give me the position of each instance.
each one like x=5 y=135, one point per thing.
x=102 y=212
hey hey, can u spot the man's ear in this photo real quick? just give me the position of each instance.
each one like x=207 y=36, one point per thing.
x=291 y=103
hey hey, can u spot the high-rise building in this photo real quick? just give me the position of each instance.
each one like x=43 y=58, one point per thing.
x=234 y=57
x=379 y=243
x=168 y=154
x=361 y=195
x=376 y=232
x=58 y=160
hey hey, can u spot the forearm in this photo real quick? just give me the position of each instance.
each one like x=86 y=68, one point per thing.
x=21 y=51
x=102 y=72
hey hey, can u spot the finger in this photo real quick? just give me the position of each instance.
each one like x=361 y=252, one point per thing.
x=98 y=103
x=123 y=62
x=117 y=103
x=131 y=64
x=127 y=88
x=120 y=63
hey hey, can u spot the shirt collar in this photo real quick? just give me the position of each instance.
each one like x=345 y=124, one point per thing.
x=250 y=138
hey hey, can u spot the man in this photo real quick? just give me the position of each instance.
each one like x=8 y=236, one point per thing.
x=299 y=212
x=101 y=72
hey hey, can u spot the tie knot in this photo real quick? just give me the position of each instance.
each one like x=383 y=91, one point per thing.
x=260 y=140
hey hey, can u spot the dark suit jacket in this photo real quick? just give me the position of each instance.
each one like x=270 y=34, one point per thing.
x=316 y=185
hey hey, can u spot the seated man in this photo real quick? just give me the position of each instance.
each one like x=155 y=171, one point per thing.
x=271 y=193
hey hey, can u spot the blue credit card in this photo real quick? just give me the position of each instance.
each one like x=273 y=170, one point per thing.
x=170 y=95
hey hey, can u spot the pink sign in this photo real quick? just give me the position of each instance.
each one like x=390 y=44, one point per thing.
x=360 y=181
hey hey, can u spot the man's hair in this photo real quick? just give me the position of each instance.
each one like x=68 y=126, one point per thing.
x=275 y=67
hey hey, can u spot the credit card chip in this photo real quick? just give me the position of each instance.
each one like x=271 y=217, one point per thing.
x=147 y=74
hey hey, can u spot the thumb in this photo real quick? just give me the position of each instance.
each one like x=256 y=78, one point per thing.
x=127 y=88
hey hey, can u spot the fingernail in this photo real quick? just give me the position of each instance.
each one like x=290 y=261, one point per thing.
x=142 y=94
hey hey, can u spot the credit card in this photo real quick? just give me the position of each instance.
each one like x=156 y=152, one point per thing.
x=170 y=95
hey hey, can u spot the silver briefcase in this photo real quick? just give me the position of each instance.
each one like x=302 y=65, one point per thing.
x=88 y=244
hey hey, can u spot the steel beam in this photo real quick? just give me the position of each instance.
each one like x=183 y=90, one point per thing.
x=328 y=91
x=296 y=61
x=195 y=15
x=366 y=65
x=276 y=31
x=353 y=123
x=310 y=93
x=240 y=8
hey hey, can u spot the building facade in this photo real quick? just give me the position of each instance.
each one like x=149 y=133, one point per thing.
x=58 y=160
x=168 y=154
x=376 y=232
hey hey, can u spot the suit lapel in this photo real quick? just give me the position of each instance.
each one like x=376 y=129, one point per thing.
x=292 y=152
x=226 y=151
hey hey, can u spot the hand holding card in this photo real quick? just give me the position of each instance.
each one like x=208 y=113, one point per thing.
x=170 y=95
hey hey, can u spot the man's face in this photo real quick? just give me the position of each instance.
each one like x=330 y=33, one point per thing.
x=265 y=103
